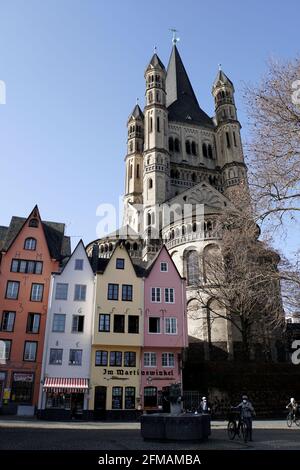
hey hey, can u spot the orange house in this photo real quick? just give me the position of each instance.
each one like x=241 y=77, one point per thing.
x=30 y=250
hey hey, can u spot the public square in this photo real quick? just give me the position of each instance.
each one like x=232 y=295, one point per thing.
x=36 y=435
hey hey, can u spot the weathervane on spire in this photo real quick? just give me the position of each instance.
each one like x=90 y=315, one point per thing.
x=137 y=101
x=155 y=49
x=175 y=38
x=220 y=67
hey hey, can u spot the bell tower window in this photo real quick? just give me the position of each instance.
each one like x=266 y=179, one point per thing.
x=227 y=140
x=150 y=183
x=204 y=150
x=158 y=124
x=188 y=147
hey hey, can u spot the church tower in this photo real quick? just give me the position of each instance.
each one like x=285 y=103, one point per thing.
x=156 y=155
x=134 y=158
x=229 y=145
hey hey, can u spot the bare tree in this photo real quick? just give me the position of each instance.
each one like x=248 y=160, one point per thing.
x=274 y=148
x=242 y=279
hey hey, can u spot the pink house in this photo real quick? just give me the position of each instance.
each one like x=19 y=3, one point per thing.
x=165 y=331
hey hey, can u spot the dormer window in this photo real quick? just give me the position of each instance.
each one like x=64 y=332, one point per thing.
x=30 y=244
x=34 y=223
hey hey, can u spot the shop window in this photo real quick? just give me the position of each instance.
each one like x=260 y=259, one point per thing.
x=58 y=400
x=150 y=397
x=129 y=359
x=117 y=398
x=133 y=324
x=129 y=398
x=119 y=323
x=22 y=388
x=115 y=358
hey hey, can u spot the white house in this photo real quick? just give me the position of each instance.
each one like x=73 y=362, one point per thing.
x=65 y=375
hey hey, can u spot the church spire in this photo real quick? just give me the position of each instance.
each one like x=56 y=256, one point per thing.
x=181 y=99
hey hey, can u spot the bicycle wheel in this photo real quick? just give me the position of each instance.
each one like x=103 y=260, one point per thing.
x=289 y=420
x=297 y=421
x=244 y=431
x=231 y=430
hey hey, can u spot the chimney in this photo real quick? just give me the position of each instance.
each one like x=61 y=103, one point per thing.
x=95 y=256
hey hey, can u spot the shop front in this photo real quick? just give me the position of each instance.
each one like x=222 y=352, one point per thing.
x=115 y=384
x=65 y=398
x=160 y=370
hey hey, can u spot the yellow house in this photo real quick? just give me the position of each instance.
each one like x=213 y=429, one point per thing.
x=117 y=337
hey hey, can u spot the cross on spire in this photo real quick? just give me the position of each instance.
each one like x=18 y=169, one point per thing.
x=175 y=38
x=220 y=67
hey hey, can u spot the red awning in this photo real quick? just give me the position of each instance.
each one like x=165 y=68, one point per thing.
x=58 y=384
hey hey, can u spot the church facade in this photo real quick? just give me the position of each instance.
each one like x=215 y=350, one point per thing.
x=181 y=165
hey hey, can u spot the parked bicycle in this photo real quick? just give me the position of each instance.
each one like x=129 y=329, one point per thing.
x=237 y=426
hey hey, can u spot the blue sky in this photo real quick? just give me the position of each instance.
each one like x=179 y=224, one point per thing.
x=73 y=70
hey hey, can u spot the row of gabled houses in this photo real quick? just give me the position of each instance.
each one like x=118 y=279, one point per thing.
x=85 y=336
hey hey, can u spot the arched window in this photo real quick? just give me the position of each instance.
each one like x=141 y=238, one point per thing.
x=158 y=97
x=171 y=144
x=135 y=246
x=138 y=171
x=157 y=124
x=150 y=97
x=194 y=227
x=150 y=183
x=130 y=171
x=151 y=124
x=131 y=146
x=172 y=174
x=148 y=219
x=210 y=153
x=34 y=223
x=194 y=148
x=204 y=150
x=188 y=147
x=176 y=145
x=30 y=244
x=194 y=177
x=183 y=230
x=192 y=268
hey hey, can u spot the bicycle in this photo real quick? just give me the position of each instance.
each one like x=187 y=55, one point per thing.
x=291 y=418
x=237 y=426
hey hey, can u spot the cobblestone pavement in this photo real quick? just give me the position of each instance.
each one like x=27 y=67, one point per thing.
x=37 y=435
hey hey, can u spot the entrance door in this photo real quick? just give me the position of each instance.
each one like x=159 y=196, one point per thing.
x=77 y=401
x=100 y=402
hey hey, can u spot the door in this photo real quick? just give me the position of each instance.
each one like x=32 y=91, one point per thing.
x=100 y=402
